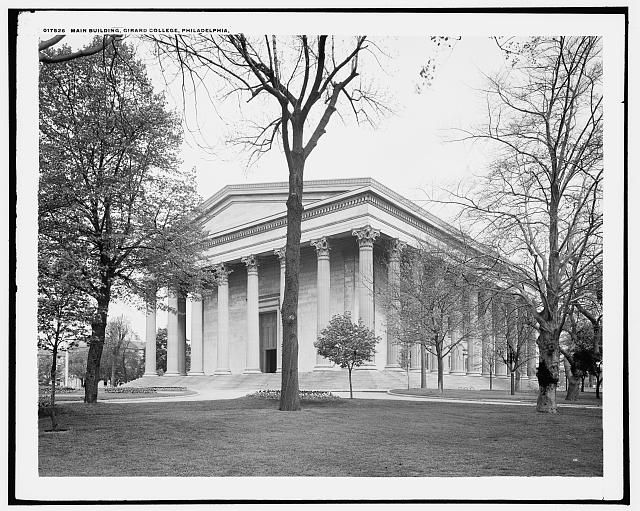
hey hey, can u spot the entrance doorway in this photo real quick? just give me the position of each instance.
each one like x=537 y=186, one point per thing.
x=268 y=341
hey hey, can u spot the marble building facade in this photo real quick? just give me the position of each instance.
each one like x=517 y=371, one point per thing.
x=353 y=233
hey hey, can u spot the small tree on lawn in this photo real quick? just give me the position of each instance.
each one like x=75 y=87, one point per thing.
x=346 y=344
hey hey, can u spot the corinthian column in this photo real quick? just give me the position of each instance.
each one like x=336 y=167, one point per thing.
x=222 y=277
x=474 y=365
x=366 y=236
x=393 y=280
x=197 y=348
x=150 y=334
x=323 y=287
x=253 y=316
x=176 y=334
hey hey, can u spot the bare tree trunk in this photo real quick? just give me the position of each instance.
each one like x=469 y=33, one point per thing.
x=124 y=366
x=598 y=381
x=54 y=368
x=98 y=327
x=518 y=382
x=350 y=386
x=490 y=377
x=408 y=379
x=573 y=379
x=289 y=397
x=548 y=374
x=440 y=374
x=113 y=370
x=423 y=367
x=513 y=383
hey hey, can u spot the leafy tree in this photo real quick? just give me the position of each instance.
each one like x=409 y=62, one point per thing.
x=62 y=312
x=539 y=207
x=113 y=203
x=161 y=351
x=117 y=338
x=296 y=85
x=346 y=344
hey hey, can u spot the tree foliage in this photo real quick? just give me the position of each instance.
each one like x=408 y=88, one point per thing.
x=346 y=344
x=114 y=205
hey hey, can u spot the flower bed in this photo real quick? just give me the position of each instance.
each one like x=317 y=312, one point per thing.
x=142 y=390
x=305 y=395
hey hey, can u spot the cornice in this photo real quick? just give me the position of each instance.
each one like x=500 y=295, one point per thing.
x=366 y=197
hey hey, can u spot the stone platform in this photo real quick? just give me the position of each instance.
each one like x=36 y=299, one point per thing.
x=335 y=380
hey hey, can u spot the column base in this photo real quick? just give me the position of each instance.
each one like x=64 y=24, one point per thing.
x=393 y=367
x=323 y=368
x=195 y=373
x=461 y=373
x=252 y=371
x=149 y=374
x=221 y=372
x=474 y=373
x=173 y=373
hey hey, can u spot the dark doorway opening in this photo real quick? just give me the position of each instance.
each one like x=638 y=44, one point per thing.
x=268 y=341
x=270 y=361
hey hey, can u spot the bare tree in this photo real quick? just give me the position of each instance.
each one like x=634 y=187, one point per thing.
x=302 y=81
x=539 y=206
x=425 y=307
x=513 y=330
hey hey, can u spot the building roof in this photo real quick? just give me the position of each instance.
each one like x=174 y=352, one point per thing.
x=251 y=210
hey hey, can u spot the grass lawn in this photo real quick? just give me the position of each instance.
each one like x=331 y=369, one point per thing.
x=250 y=437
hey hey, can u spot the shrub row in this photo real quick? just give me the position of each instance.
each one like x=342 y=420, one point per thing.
x=59 y=390
x=142 y=390
x=305 y=395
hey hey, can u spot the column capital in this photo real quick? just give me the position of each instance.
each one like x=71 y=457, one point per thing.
x=252 y=263
x=222 y=273
x=322 y=247
x=395 y=250
x=366 y=236
x=280 y=252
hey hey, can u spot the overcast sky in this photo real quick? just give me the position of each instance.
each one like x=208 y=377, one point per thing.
x=410 y=151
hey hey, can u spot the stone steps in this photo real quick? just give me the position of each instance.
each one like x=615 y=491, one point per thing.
x=334 y=380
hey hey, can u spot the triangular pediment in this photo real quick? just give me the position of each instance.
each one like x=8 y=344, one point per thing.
x=237 y=205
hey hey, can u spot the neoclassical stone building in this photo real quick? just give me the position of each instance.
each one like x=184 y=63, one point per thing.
x=353 y=231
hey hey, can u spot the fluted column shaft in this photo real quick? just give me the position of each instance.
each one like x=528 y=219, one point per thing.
x=280 y=252
x=176 y=334
x=366 y=309
x=253 y=316
x=197 y=348
x=500 y=337
x=150 y=335
x=323 y=288
x=474 y=364
x=393 y=281
x=222 y=355
x=485 y=332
